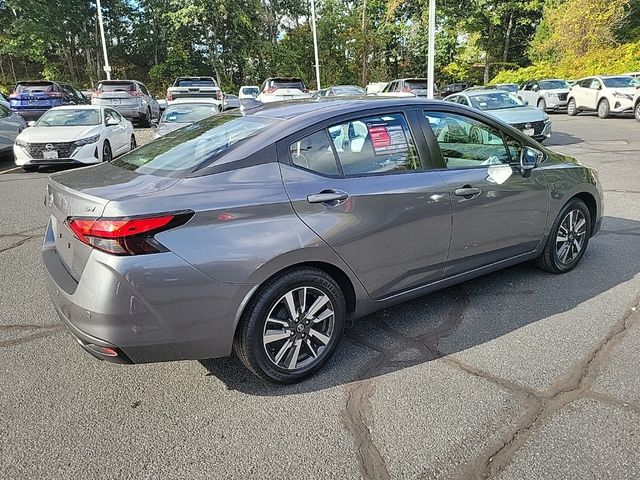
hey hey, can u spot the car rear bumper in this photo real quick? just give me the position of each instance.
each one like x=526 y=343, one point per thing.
x=146 y=308
x=31 y=113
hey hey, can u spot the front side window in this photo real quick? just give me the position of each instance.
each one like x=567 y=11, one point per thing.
x=110 y=116
x=595 y=84
x=376 y=144
x=466 y=142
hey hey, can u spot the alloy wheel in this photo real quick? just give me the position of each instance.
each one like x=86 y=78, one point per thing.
x=571 y=237
x=106 y=152
x=299 y=328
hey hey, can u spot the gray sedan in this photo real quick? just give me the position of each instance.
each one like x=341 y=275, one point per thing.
x=508 y=108
x=265 y=233
x=11 y=124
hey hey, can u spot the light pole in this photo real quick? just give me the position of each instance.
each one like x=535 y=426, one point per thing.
x=315 y=42
x=432 y=49
x=107 y=67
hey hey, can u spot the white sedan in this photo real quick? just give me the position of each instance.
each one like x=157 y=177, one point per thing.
x=74 y=134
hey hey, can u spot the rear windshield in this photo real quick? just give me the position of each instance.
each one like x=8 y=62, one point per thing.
x=348 y=90
x=287 y=83
x=195 y=82
x=116 y=87
x=621 y=82
x=194 y=146
x=188 y=113
x=553 y=84
x=416 y=84
x=70 y=118
x=44 y=87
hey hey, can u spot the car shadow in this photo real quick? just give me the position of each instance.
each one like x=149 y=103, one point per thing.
x=458 y=318
x=559 y=139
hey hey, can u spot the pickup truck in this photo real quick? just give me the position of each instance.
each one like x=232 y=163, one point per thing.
x=195 y=87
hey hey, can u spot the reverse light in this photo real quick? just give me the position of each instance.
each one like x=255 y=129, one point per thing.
x=126 y=235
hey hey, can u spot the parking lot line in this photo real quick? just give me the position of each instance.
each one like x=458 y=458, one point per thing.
x=10 y=170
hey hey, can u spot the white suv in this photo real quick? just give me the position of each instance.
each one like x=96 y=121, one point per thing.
x=604 y=94
x=636 y=104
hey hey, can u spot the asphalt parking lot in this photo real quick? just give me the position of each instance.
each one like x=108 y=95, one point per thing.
x=516 y=375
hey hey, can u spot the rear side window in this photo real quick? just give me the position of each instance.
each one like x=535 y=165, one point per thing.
x=369 y=145
x=194 y=146
x=116 y=87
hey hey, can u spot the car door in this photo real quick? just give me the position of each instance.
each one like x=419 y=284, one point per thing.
x=525 y=93
x=593 y=94
x=118 y=133
x=361 y=182
x=498 y=213
x=10 y=125
x=153 y=104
x=581 y=94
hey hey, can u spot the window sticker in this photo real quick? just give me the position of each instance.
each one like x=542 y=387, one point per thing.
x=387 y=138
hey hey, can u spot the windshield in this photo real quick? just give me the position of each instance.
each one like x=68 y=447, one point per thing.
x=194 y=146
x=495 y=101
x=347 y=90
x=416 y=84
x=195 y=82
x=70 y=118
x=188 y=113
x=621 y=82
x=116 y=87
x=553 y=84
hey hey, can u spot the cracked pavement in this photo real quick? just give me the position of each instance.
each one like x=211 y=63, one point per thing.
x=516 y=375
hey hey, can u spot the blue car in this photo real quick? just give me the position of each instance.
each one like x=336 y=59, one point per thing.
x=30 y=99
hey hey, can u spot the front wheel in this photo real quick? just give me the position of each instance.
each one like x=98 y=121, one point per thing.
x=567 y=240
x=292 y=326
x=603 y=108
x=145 y=122
x=572 y=109
x=542 y=105
x=107 y=155
x=637 y=111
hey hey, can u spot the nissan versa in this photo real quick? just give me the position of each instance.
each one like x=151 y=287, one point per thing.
x=263 y=232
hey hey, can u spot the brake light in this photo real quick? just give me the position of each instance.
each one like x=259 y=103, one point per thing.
x=219 y=94
x=407 y=89
x=14 y=95
x=135 y=93
x=54 y=94
x=169 y=96
x=271 y=89
x=127 y=235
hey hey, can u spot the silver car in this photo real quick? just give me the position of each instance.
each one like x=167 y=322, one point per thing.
x=265 y=233
x=11 y=124
x=547 y=95
x=508 y=108
x=130 y=98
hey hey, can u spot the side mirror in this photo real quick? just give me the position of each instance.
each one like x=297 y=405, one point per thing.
x=536 y=88
x=530 y=158
x=31 y=123
x=111 y=122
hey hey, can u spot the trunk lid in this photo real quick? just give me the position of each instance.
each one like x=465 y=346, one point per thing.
x=85 y=193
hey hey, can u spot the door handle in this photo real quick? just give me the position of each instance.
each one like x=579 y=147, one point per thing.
x=467 y=192
x=331 y=197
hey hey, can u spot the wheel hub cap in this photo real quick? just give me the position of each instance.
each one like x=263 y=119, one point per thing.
x=571 y=237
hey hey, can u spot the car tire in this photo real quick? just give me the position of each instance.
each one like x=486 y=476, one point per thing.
x=573 y=223
x=30 y=168
x=288 y=356
x=542 y=105
x=603 y=108
x=572 y=110
x=107 y=154
x=637 y=111
x=132 y=143
x=145 y=121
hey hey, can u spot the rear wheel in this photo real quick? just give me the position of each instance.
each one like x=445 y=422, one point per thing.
x=107 y=155
x=637 y=111
x=603 y=108
x=567 y=240
x=572 y=109
x=542 y=105
x=145 y=122
x=292 y=326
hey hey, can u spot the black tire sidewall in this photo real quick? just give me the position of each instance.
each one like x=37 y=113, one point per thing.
x=106 y=146
x=637 y=111
x=574 y=204
x=572 y=111
x=132 y=143
x=542 y=105
x=251 y=329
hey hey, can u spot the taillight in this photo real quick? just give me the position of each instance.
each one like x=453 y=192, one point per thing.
x=135 y=93
x=407 y=89
x=219 y=94
x=54 y=94
x=270 y=89
x=169 y=96
x=126 y=235
x=14 y=95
